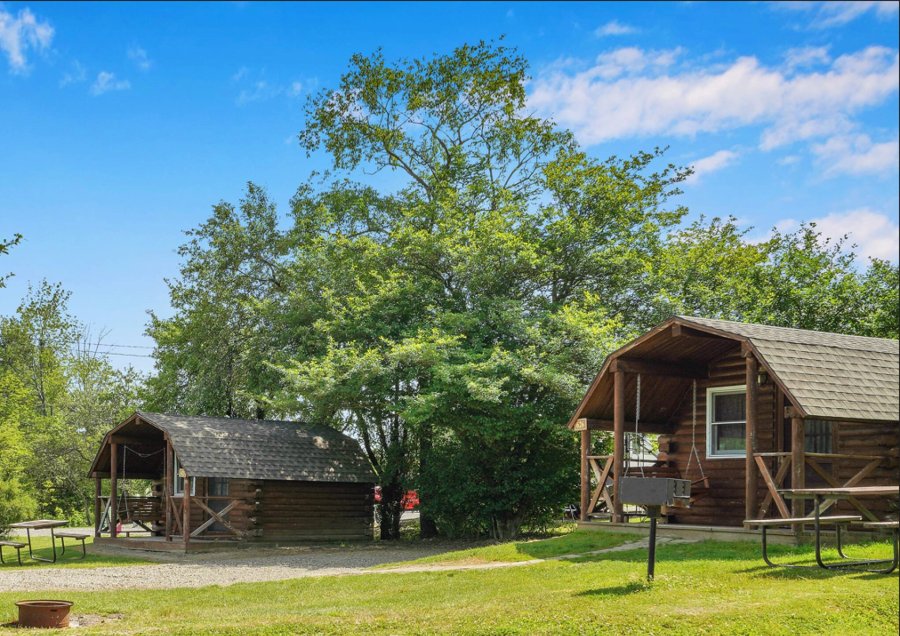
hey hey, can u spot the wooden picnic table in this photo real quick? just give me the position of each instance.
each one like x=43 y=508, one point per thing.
x=40 y=524
x=819 y=495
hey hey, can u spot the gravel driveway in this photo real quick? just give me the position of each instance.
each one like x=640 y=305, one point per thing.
x=198 y=570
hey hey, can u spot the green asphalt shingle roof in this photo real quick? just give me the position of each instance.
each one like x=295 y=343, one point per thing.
x=829 y=375
x=262 y=449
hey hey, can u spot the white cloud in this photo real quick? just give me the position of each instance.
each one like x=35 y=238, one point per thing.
x=789 y=160
x=833 y=14
x=259 y=91
x=140 y=58
x=614 y=27
x=858 y=155
x=631 y=61
x=76 y=74
x=631 y=92
x=874 y=234
x=805 y=56
x=20 y=34
x=255 y=87
x=107 y=82
x=713 y=163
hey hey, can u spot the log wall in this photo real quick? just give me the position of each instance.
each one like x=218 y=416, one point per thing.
x=303 y=511
x=723 y=503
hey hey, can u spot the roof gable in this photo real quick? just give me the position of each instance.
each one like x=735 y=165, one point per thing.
x=262 y=449
x=833 y=376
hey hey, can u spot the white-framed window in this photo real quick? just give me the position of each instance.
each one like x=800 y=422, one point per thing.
x=178 y=480
x=726 y=421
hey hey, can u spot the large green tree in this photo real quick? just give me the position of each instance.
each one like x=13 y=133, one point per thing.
x=490 y=255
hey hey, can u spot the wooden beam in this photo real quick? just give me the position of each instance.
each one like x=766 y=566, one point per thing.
x=773 y=496
x=97 y=504
x=585 y=473
x=681 y=331
x=113 y=488
x=186 y=510
x=131 y=439
x=751 y=482
x=798 y=462
x=591 y=424
x=644 y=367
x=618 y=441
x=167 y=489
x=602 y=478
x=772 y=485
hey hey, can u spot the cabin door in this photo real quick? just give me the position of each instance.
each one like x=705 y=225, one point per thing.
x=218 y=487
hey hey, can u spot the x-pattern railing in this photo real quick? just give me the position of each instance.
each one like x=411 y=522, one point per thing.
x=774 y=484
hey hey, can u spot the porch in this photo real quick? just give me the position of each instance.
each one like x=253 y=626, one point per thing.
x=662 y=399
x=179 y=509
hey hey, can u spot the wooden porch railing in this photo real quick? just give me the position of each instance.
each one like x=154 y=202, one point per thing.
x=785 y=459
x=175 y=509
x=602 y=474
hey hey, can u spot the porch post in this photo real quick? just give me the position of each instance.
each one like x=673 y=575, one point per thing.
x=97 y=508
x=167 y=490
x=618 y=441
x=113 y=488
x=751 y=476
x=585 y=472
x=186 y=520
x=798 y=461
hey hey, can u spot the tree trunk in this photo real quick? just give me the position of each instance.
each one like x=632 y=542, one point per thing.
x=427 y=527
x=391 y=509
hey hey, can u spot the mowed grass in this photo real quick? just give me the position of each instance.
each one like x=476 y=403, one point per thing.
x=41 y=547
x=569 y=543
x=703 y=588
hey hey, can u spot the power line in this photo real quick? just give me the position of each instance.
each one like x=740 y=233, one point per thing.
x=116 y=353
x=104 y=344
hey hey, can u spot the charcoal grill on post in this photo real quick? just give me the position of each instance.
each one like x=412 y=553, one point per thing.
x=652 y=494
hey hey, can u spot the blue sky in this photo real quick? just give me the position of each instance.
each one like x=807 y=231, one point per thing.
x=122 y=124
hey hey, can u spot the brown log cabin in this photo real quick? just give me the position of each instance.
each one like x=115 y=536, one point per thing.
x=217 y=480
x=813 y=408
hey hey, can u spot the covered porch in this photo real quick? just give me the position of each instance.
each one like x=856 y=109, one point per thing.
x=716 y=403
x=173 y=510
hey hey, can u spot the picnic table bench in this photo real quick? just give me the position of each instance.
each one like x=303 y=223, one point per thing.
x=819 y=495
x=39 y=524
x=12 y=544
x=72 y=534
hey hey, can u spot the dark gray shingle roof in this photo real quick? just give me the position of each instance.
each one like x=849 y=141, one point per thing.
x=262 y=449
x=830 y=375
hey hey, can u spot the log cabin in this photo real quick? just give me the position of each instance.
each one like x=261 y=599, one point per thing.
x=215 y=480
x=743 y=411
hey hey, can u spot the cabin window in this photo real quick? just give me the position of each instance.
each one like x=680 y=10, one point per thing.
x=178 y=481
x=726 y=421
x=818 y=437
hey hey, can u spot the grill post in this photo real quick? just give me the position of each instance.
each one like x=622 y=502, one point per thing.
x=653 y=511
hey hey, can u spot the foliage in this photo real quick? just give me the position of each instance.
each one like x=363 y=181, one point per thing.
x=59 y=398
x=448 y=293
x=799 y=279
x=5 y=244
x=210 y=353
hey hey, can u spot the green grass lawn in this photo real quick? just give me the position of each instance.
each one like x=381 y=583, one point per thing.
x=703 y=588
x=567 y=543
x=41 y=546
